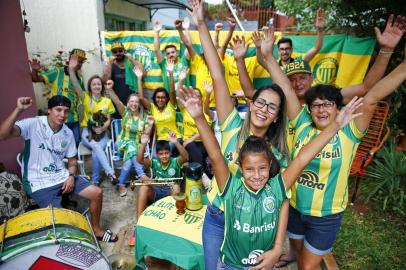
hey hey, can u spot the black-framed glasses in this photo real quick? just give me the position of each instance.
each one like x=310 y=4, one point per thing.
x=318 y=106
x=271 y=107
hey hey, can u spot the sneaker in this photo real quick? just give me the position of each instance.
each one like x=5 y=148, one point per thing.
x=113 y=179
x=123 y=192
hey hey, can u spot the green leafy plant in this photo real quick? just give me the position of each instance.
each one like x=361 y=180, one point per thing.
x=388 y=179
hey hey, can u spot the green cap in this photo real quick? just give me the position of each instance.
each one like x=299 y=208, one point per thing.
x=297 y=66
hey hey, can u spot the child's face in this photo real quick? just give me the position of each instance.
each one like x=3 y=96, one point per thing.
x=163 y=156
x=255 y=168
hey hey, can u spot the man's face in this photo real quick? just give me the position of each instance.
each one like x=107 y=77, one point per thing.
x=119 y=53
x=57 y=115
x=301 y=82
x=171 y=53
x=285 y=51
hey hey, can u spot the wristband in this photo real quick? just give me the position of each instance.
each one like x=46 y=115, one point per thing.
x=72 y=174
x=385 y=52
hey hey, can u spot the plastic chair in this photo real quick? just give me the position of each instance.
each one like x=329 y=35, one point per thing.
x=376 y=136
x=83 y=151
x=115 y=129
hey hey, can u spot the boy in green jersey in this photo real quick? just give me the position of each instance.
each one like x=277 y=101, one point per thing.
x=255 y=206
x=163 y=167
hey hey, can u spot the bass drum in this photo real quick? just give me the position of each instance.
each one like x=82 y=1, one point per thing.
x=50 y=238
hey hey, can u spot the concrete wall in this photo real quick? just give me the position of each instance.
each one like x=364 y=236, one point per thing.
x=126 y=9
x=14 y=77
x=62 y=25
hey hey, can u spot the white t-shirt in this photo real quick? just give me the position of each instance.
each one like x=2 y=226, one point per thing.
x=44 y=150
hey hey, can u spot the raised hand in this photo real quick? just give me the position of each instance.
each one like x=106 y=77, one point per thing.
x=157 y=26
x=218 y=27
x=257 y=39
x=109 y=85
x=172 y=137
x=186 y=23
x=35 y=64
x=73 y=62
x=138 y=71
x=320 y=21
x=144 y=138
x=128 y=55
x=183 y=73
x=207 y=87
x=231 y=22
x=170 y=65
x=150 y=120
x=239 y=47
x=24 y=103
x=178 y=24
x=197 y=12
x=394 y=30
x=190 y=101
x=268 y=42
x=346 y=114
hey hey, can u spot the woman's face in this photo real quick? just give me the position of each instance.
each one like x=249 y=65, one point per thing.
x=96 y=86
x=255 y=169
x=133 y=104
x=160 y=100
x=264 y=110
x=323 y=112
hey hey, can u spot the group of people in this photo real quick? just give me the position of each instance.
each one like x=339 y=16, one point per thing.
x=283 y=168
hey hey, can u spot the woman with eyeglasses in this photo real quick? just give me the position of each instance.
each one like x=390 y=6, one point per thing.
x=265 y=119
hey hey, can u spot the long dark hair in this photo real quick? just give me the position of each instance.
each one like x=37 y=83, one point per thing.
x=159 y=90
x=276 y=133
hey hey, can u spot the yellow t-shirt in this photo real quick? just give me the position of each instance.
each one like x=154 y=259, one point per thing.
x=201 y=71
x=189 y=125
x=91 y=106
x=165 y=121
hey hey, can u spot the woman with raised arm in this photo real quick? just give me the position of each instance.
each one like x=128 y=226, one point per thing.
x=132 y=126
x=265 y=119
x=163 y=108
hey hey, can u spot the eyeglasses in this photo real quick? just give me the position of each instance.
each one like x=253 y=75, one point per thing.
x=117 y=51
x=272 y=108
x=326 y=105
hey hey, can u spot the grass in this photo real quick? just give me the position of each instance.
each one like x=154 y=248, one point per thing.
x=371 y=240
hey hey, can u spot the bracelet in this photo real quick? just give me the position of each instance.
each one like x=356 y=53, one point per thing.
x=72 y=174
x=385 y=52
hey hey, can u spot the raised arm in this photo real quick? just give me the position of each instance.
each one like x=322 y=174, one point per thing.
x=193 y=104
x=382 y=89
x=139 y=73
x=183 y=154
x=170 y=65
x=257 y=39
x=8 y=129
x=320 y=24
x=141 y=151
x=157 y=29
x=35 y=68
x=206 y=107
x=107 y=69
x=278 y=76
x=110 y=94
x=217 y=28
x=388 y=40
x=312 y=148
x=73 y=62
x=179 y=24
x=240 y=49
x=231 y=23
x=216 y=69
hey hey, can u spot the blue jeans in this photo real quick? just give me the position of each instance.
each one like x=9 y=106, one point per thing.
x=74 y=126
x=99 y=158
x=125 y=170
x=213 y=235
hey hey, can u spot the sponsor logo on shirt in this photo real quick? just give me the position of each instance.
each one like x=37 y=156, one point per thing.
x=325 y=154
x=252 y=257
x=51 y=168
x=310 y=179
x=269 y=204
x=247 y=228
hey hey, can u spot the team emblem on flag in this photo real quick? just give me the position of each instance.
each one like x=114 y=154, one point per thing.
x=325 y=71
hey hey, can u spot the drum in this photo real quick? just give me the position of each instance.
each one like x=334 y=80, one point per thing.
x=50 y=238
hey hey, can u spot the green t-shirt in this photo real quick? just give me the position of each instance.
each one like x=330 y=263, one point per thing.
x=182 y=63
x=251 y=220
x=129 y=137
x=171 y=170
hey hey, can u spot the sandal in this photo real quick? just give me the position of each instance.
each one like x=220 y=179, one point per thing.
x=123 y=193
x=107 y=237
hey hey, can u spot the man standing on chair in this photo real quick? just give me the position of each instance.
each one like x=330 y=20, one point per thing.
x=47 y=142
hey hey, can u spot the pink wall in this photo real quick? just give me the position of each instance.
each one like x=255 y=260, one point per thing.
x=15 y=79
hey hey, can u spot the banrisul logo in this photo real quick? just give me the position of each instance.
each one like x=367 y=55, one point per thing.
x=144 y=55
x=325 y=71
x=252 y=257
x=269 y=204
x=311 y=180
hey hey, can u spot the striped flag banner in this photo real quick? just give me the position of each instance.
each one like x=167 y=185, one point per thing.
x=343 y=60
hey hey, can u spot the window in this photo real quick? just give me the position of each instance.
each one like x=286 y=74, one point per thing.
x=119 y=23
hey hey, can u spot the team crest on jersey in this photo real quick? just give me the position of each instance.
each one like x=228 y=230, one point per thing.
x=229 y=156
x=325 y=71
x=143 y=55
x=64 y=143
x=310 y=179
x=252 y=257
x=269 y=204
x=167 y=112
x=171 y=171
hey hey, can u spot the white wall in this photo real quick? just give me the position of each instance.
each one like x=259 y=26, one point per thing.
x=63 y=25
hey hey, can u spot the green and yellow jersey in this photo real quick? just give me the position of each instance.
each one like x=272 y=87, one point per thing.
x=165 y=121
